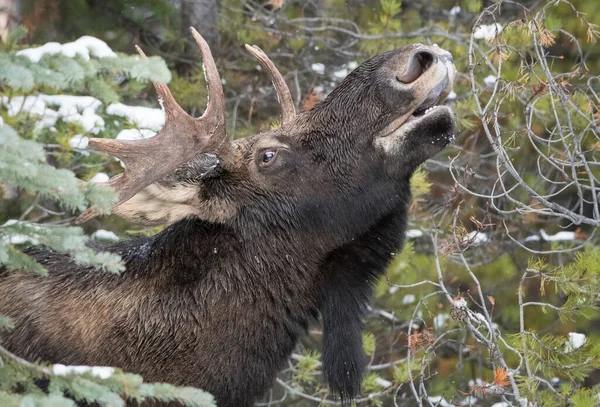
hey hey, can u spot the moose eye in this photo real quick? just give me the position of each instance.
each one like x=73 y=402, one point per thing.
x=268 y=157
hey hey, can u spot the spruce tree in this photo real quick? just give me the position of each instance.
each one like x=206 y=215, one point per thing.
x=51 y=99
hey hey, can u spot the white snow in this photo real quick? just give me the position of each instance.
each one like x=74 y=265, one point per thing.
x=78 y=141
x=73 y=109
x=477 y=382
x=439 y=401
x=490 y=80
x=560 y=236
x=10 y=222
x=84 y=46
x=478 y=237
x=409 y=299
x=468 y=401
x=576 y=341
x=135 y=134
x=100 y=177
x=31 y=105
x=18 y=238
x=383 y=383
x=557 y=237
x=318 y=68
x=97 y=47
x=487 y=32
x=102 y=372
x=451 y=95
x=341 y=74
x=501 y=404
x=102 y=234
x=142 y=117
x=414 y=233
x=454 y=11
x=344 y=70
x=393 y=289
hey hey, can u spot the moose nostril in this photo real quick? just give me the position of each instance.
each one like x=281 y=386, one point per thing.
x=418 y=63
x=425 y=59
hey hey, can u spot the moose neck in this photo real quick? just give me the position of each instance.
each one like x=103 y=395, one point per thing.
x=190 y=252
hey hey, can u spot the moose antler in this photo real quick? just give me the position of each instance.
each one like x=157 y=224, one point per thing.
x=181 y=138
x=288 y=110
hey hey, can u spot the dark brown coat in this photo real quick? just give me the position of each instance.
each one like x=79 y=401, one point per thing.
x=255 y=252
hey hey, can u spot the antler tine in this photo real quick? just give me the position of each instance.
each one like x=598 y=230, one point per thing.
x=164 y=93
x=216 y=99
x=181 y=138
x=288 y=110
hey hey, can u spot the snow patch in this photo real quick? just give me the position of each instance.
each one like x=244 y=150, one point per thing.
x=451 y=95
x=576 y=341
x=487 y=32
x=73 y=109
x=19 y=238
x=414 y=233
x=102 y=234
x=142 y=117
x=409 y=299
x=100 y=177
x=383 y=383
x=439 y=401
x=557 y=237
x=318 y=68
x=78 y=141
x=454 y=11
x=135 y=134
x=490 y=80
x=477 y=238
x=102 y=372
x=84 y=46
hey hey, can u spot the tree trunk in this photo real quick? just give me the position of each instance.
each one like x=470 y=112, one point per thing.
x=204 y=16
x=9 y=15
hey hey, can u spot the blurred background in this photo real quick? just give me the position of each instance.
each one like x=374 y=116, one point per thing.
x=505 y=218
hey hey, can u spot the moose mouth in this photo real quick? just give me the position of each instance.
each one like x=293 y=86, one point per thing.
x=430 y=104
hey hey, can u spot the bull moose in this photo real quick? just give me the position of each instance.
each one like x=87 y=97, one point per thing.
x=264 y=235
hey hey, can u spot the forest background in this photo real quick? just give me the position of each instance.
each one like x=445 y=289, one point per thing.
x=494 y=299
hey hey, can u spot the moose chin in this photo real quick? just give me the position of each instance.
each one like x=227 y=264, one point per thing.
x=263 y=235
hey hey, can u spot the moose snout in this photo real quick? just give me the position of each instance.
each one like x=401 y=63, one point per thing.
x=421 y=59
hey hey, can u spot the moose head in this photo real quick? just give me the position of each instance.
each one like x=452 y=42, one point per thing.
x=331 y=171
x=265 y=234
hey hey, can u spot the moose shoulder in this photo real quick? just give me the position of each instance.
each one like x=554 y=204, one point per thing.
x=265 y=234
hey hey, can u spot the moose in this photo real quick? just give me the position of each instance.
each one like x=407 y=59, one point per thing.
x=263 y=235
